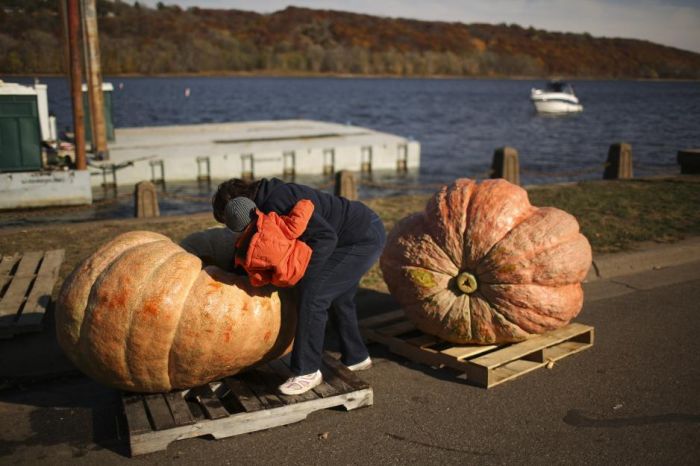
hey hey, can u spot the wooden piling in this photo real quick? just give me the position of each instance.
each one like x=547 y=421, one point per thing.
x=345 y=185
x=93 y=71
x=506 y=164
x=146 y=200
x=75 y=73
x=619 y=163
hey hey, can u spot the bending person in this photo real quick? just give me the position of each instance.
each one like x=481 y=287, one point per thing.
x=346 y=238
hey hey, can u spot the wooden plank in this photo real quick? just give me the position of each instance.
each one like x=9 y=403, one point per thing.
x=28 y=264
x=244 y=395
x=159 y=412
x=371 y=322
x=4 y=280
x=7 y=263
x=268 y=398
x=564 y=349
x=179 y=409
x=345 y=374
x=424 y=355
x=464 y=352
x=282 y=373
x=135 y=412
x=51 y=262
x=325 y=390
x=272 y=381
x=510 y=371
x=37 y=293
x=332 y=385
x=37 y=303
x=396 y=329
x=526 y=347
x=210 y=404
x=422 y=341
x=14 y=297
x=19 y=287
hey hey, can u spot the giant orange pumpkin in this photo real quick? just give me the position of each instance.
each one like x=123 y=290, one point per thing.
x=141 y=314
x=481 y=265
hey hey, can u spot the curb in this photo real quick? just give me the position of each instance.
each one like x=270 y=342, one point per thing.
x=649 y=256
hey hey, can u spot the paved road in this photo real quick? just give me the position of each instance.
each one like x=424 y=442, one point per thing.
x=632 y=398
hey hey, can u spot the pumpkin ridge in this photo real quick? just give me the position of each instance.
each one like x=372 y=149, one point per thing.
x=486 y=254
x=390 y=261
x=486 y=191
x=441 y=248
x=507 y=297
x=527 y=256
x=493 y=308
x=89 y=309
x=526 y=311
x=104 y=275
x=137 y=305
x=220 y=329
x=426 y=296
x=502 y=315
x=444 y=201
x=530 y=258
x=65 y=289
x=177 y=328
x=467 y=305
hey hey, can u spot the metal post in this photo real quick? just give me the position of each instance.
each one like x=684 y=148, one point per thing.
x=75 y=73
x=94 y=78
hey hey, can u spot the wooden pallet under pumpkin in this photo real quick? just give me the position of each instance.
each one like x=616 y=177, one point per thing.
x=26 y=284
x=484 y=365
x=237 y=405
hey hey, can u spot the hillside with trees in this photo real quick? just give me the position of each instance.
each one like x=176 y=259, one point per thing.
x=135 y=39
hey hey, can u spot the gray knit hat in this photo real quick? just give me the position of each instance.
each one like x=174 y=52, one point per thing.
x=239 y=212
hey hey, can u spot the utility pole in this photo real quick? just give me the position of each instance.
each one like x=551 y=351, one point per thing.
x=75 y=73
x=94 y=79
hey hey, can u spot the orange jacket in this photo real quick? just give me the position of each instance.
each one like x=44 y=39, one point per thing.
x=275 y=254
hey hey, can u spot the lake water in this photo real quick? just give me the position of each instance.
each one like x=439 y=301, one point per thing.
x=459 y=122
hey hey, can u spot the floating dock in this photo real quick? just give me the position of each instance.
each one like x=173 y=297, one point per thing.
x=250 y=150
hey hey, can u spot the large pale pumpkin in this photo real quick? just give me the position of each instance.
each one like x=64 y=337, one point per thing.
x=141 y=314
x=481 y=265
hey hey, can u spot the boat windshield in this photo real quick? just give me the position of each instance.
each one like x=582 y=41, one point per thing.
x=558 y=86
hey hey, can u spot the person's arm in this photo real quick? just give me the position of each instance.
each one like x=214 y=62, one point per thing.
x=320 y=236
x=295 y=223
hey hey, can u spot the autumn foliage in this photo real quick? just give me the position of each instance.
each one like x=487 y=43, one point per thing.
x=169 y=39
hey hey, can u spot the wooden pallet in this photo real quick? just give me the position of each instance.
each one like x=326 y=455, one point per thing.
x=26 y=284
x=236 y=405
x=484 y=365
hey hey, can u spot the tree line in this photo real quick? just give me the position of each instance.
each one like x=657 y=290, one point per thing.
x=135 y=39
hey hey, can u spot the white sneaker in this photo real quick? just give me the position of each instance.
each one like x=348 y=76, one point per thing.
x=301 y=383
x=362 y=365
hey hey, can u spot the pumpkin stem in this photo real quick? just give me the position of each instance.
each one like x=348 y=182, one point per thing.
x=466 y=282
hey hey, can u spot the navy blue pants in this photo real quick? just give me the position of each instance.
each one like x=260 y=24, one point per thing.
x=334 y=291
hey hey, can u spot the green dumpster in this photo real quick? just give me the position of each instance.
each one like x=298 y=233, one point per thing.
x=20 y=134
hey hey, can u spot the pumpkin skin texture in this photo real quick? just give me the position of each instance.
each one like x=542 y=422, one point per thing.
x=480 y=265
x=141 y=314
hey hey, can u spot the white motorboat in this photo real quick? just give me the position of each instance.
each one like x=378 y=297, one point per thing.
x=558 y=97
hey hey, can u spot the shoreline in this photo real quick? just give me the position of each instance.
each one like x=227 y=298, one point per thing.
x=304 y=75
